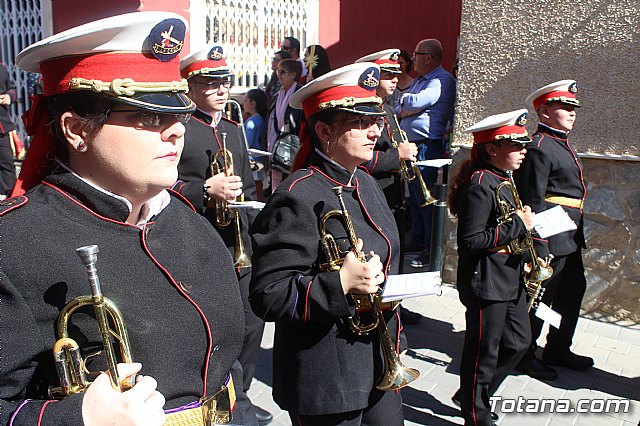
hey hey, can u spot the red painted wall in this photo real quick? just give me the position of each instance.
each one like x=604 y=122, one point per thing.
x=348 y=31
x=71 y=13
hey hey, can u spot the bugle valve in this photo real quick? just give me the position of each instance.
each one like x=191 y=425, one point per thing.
x=534 y=278
x=411 y=171
x=69 y=363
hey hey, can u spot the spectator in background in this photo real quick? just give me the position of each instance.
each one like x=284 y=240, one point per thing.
x=282 y=117
x=273 y=85
x=404 y=79
x=317 y=62
x=255 y=107
x=7 y=168
x=426 y=109
x=292 y=45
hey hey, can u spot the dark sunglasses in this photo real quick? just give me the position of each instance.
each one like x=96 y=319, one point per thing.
x=153 y=120
x=280 y=72
x=366 y=121
x=214 y=84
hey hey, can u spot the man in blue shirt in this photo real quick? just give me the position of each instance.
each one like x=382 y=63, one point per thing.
x=425 y=110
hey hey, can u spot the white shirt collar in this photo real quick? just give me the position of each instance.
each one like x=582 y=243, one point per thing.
x=148 y=210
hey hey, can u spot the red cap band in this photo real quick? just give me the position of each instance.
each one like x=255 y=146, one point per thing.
x=198 y=65
x=551 y=95
x=106 y=67
x=491 y=135
x=311 y=104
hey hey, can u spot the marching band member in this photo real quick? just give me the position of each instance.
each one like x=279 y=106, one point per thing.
x=489 y=275
x=385 y=164
x=324 y=373
x=208 y=133
x=552 y=175
x=107 y=137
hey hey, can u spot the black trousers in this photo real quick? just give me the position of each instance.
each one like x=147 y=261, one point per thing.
x=497 y=336
x=563 y=292
x=7 y=169
x=385 y=411
x=253 y=329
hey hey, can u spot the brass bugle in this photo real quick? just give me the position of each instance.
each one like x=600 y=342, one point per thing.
x=395 y=374
x=533 y=280
x=70 y=365
x=411 y=171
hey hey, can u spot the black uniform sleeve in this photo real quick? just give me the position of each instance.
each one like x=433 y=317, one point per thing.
x=20 y=344
x=531 y=180
x=383 y=161
x=192 y=191
x=286 y=242
x=474 y=231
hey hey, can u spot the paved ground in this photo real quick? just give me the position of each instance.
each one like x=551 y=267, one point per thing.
x=436 y=344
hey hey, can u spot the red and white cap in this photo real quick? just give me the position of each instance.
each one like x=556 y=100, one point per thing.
x=387 y=60
x=508 y=125
x=351 y=88
x=208 y=62
x=131 y=57
x=561 y=91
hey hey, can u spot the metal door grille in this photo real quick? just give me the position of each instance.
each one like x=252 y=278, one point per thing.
x=22 y=21
x=252 y=30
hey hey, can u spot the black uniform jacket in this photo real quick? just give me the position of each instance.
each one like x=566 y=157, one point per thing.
x=552 y=167
x=201 y=141
x=172 y=278
x=483 y=271
x=320 y=366
x=386 y=161
x=6 y=87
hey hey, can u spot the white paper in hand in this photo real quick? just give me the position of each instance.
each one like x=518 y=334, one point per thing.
x=547 y=314
x=406 y=286
x=553 y=222
x=246 y=205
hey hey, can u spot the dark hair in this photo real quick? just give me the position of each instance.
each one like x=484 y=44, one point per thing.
x=260 y=98
x=283 y=54
x=91 y=108
x=405 y=55
x=295 y=44
x=322 y=66
x=460 y=183
x=292 y=65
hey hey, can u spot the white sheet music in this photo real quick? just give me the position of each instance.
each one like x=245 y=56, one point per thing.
x=406 y=286
x=258 y=152
x=437 y=163
x=246 y=205
x=547 y=314
x=552 y=222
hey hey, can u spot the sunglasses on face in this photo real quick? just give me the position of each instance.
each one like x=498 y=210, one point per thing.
x=142 y=119
x=214 y=84
x=366 y=121
x=280 y=72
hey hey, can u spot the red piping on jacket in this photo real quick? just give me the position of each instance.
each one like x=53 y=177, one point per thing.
x=186 y=296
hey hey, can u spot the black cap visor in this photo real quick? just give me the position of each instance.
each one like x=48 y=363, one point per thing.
x=165 y=102
x=363 y=109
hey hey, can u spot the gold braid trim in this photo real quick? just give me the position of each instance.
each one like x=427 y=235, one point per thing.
x=512 y=136
x=127 y=86
x=207 y=70
x=350 y=101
